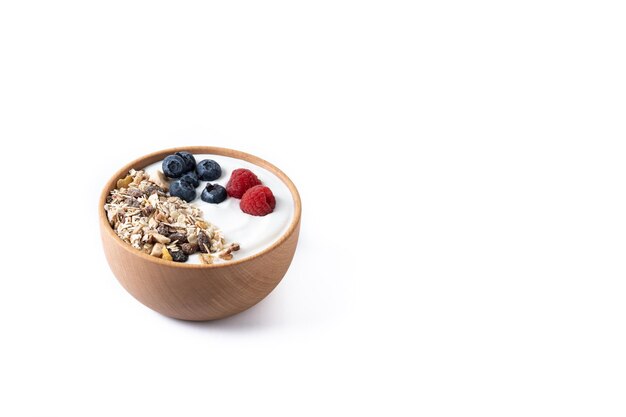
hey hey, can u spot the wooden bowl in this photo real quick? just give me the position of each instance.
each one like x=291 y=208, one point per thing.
x=192 y=291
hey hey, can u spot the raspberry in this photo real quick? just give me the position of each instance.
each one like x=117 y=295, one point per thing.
x=240 y=180
x=258 y=201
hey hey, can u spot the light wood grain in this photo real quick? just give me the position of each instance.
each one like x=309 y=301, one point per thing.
x=199 y=292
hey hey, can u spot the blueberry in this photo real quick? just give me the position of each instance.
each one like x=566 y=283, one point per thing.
x=173 y=166
x=208 y=170
x=179 y=256
x=213 y=193
x=183 y=190
x=190 y=161
x=191 y=178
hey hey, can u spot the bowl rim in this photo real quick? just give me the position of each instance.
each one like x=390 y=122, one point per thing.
x=150 y=158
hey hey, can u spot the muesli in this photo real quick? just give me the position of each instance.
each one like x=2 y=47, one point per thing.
x=142 y=214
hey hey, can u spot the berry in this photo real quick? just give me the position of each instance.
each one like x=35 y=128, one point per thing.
x=214 y=194
x=190 y=161
x=179 y=256
x=173 y=166
x=208 y=170
x=191 y=178
x=240 y=181
x=258 y=201
x=183 y=190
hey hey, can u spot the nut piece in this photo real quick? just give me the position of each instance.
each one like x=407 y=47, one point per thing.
x=123 y=183
x=166 y=254
x=147 y=248
x=193 y=238
x=161 y=239
x=206 y=258
x=159 y=179
x=157 y=250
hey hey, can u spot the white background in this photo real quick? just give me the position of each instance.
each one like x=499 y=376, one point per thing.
x=461 y=166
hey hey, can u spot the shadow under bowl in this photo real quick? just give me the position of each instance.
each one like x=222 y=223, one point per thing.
x=192 y=291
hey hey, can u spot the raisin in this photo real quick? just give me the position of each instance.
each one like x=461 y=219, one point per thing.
x=179 y=256
x=135 y=192
x=178 y=236
x=133 y=202
x=163 y=230
x=204 y=242
x=148 y=210
x=189 y=248
x=151 y=189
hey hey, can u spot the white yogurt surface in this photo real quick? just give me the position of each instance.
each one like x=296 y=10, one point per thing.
x=253 y=233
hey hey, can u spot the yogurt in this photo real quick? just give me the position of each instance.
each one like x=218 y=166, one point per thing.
x=253 y=233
